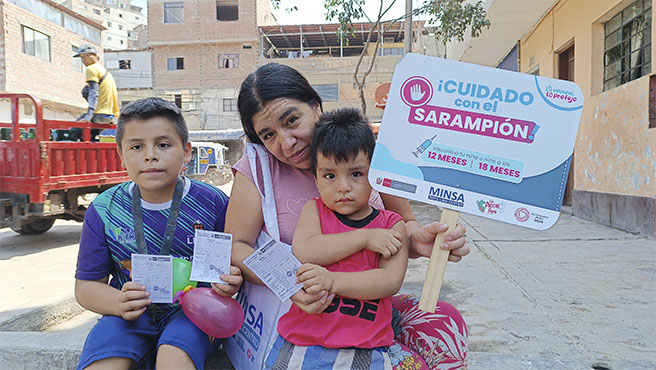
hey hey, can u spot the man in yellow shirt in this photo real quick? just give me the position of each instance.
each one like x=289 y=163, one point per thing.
x=102 y=93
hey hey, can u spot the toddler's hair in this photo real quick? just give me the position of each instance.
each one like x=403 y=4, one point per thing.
x=342 y=134
x=143 y=109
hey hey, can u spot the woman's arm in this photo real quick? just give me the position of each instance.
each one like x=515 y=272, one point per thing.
x=310 y=245
x=421 y=238
x=380 y=282
x=244 y=221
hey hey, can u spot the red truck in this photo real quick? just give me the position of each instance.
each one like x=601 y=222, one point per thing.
x=41 y=179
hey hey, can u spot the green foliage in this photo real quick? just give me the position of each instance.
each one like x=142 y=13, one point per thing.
x=452 y=17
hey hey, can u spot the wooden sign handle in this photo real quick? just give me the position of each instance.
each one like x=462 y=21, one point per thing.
x=437 y=265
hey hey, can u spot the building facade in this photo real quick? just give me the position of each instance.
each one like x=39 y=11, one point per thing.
x=605 y=48
x=37 y=44
x=329 y=63
x=119 y=17
x=201 y=52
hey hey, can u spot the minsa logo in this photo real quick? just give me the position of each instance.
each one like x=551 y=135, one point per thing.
x=490 y=207
x=522 y=214
x=446 y=196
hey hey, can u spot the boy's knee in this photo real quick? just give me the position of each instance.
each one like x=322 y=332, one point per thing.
x=172 y=357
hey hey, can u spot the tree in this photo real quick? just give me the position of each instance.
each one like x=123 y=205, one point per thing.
x=451 y=19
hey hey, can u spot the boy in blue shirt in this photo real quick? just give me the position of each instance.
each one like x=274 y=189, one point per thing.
x=156 y=213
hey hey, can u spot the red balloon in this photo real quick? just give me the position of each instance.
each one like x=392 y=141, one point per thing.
x=215 y=315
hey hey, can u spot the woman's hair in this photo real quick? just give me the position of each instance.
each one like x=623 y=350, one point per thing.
x=270 y=82
x=147 y=108
x=341 y=135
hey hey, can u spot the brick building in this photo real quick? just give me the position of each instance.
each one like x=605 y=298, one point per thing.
x=201 y=51
x=37 y=42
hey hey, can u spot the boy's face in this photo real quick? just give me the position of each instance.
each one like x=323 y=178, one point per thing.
x=343 y=186
x=153 y=153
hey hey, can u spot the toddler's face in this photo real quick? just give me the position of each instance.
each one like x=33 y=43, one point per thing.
x=153 y=153
x=343 y=186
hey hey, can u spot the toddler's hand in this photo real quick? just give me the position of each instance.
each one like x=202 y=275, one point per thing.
x=384 y=241
x=314 y=278
x=133 y=301
x=234 y=281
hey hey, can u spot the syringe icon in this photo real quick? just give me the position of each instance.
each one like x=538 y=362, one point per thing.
x=423 y=146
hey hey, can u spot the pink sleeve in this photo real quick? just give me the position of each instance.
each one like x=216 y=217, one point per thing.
x=392 y=218
x=243 y=166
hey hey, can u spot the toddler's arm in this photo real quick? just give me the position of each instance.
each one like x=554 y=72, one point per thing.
x=380 y=282
x=95 y=295
x=310 y=245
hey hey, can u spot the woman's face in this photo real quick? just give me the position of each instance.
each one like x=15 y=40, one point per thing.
x=285 y=127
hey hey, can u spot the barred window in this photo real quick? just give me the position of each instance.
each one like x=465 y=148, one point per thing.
x=229 y=105
x=627 y=45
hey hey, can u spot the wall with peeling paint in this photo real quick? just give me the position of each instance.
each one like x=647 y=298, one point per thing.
x=615 y=150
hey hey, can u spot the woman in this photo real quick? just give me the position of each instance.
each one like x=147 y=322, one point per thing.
x=280 y=109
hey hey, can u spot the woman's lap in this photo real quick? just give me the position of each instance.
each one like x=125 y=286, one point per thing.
x=438 y=338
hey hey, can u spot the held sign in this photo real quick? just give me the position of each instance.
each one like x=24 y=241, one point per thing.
x=479 y=140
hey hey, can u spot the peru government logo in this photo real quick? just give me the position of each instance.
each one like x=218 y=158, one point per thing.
x=446 y=196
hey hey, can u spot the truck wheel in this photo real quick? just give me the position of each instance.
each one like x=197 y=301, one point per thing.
x=35 y=226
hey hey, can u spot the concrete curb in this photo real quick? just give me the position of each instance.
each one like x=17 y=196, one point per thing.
x=43 y=318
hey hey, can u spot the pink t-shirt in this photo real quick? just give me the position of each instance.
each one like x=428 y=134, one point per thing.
x=293 y=188
x=347 y=322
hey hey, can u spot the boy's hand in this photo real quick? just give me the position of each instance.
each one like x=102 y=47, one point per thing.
x=384 y=241
x=234 y=281
x=314 y=278
x=133 y=301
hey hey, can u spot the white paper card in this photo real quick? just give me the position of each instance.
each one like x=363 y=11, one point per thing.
x=211 y=256
x=156 y=273
x=276 y=267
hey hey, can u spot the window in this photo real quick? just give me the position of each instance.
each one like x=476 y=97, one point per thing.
x=120 y=27
x=136 y=17
x=36 y=43
x=227 y=10
x=327 y=92
x=390 y=51
x=246 y=46
x=96 y=12
x=174 y=12
x=627 y=45
x=78 y=66
x=229 y=105
x=109 y=24
x=120 y=15
x=173 y=64
x=178 y=101
x=125 y=64
x=228 y=60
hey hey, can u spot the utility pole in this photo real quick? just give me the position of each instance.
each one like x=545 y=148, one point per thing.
x=408 y=26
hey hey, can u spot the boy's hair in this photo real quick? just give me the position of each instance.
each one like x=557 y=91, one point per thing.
x=143 y=109
x=342 y=134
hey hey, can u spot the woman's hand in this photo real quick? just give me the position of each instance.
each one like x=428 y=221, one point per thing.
x=234 y=281
x=422 y=239
x=312 y=303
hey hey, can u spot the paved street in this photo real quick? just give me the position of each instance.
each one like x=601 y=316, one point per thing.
x=576 y=296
